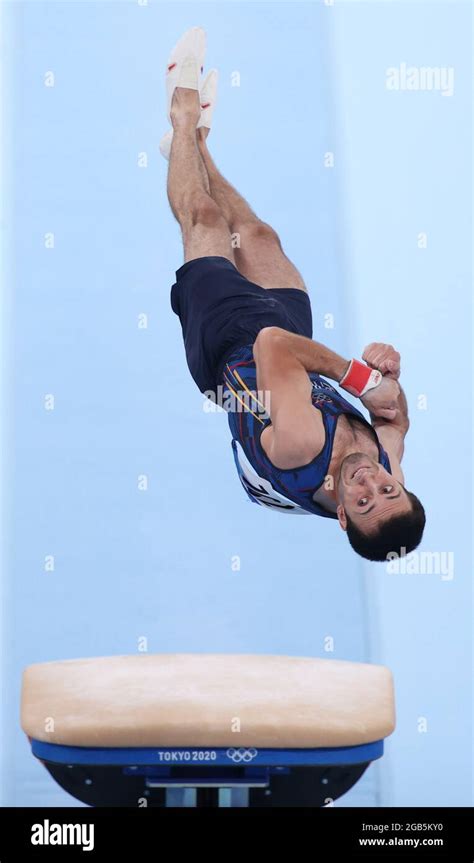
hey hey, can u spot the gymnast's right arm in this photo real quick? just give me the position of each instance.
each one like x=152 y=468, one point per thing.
x=283 y=361
x=273 y=342
x=296 y=434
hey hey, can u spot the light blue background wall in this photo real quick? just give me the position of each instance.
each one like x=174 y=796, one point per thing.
x=406 y=169
x=158 y=563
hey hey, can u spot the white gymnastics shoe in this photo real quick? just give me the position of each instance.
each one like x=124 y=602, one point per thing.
x=165 y=144
x=185 y=63
x=208 y=103
x=208 y=99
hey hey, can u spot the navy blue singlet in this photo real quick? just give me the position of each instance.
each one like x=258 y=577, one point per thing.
x=290 y=490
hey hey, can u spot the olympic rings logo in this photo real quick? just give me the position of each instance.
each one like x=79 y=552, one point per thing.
x=242 y=754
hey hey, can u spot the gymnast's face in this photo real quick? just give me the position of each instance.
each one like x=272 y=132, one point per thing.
x=368 y=493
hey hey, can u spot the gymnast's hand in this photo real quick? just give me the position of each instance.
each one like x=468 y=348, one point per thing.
x=382 y=400
x=384 y=358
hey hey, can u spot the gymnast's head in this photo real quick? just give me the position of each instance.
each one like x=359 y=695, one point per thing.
x=375 y=509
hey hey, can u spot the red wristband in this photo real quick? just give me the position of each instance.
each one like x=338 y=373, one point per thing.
x=359 y=378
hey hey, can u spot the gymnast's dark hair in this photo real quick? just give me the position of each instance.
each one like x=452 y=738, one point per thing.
x=400 y=532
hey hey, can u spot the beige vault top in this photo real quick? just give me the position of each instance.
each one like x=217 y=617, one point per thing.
x=174 y=699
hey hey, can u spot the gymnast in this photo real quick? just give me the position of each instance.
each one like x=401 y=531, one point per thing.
x=299 y=446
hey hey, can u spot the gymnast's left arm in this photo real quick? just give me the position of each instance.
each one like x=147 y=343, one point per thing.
x=391 y=433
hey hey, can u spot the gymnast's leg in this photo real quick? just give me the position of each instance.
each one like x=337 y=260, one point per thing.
x=259 y=255
x=204 y=229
